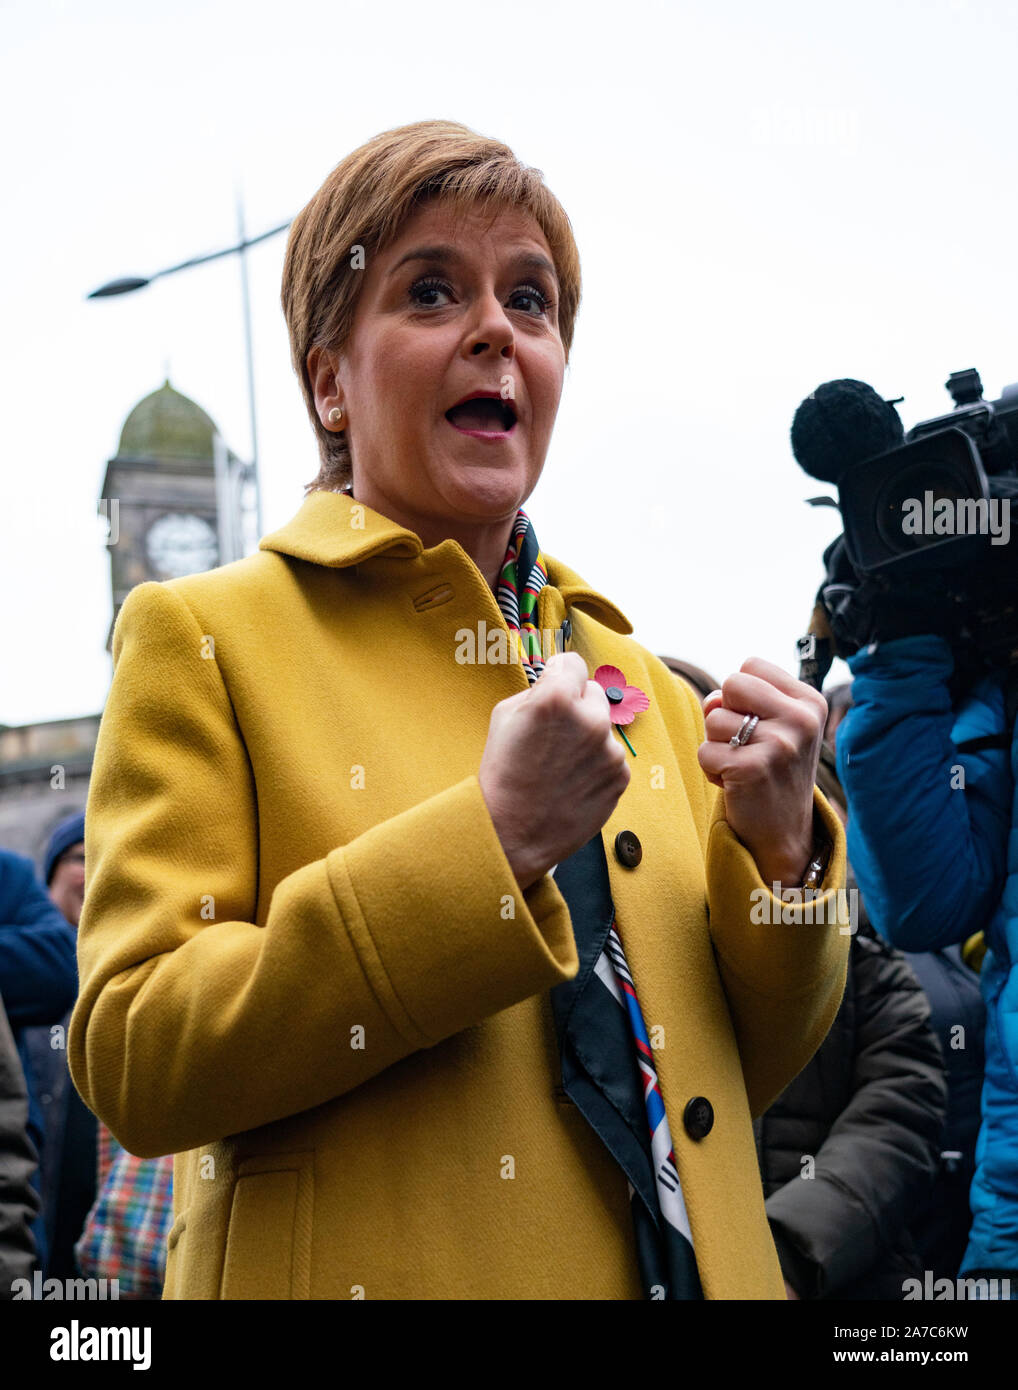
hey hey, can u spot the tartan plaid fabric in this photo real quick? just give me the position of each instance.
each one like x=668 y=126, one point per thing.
x=124 y=1237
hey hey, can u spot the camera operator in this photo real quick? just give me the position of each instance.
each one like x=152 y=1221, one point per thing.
x=927 y=753
x=929 y=836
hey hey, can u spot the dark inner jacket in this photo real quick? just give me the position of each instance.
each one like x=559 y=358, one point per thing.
x=19 y=1204
x=869 y=1110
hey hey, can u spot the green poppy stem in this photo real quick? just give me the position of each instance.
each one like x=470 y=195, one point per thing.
x=625 y=740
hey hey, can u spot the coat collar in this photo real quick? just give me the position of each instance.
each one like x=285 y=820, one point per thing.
x=323 y=533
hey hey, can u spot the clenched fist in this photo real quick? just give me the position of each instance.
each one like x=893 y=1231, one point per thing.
x=552 y=770
x=767 y=782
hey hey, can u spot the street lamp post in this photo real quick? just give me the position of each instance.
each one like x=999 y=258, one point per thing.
x=135 y=282
x=246 y=300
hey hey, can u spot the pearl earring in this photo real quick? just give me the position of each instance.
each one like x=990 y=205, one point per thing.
x=335 y=415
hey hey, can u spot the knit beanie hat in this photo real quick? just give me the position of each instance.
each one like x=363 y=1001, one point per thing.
x=69 y=832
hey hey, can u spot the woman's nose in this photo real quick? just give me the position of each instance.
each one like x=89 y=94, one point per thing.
x=492 y=329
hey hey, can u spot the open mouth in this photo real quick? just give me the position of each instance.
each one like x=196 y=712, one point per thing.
x=486 y=416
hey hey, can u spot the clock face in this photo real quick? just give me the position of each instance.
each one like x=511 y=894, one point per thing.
x=181 y=543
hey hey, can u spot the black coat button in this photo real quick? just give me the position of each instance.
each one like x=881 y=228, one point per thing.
x=698 y=1117
x=628 y=850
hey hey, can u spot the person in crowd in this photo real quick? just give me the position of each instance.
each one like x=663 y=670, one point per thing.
x=19 y=1201
x=125 y=1236
x=849 y=1150
x=949 y=977
x=63 y=869
x=118 y=1231
x=38 y=980
x=68 y=1171
x=933 y=835
x=941 y=1224
x=418 y=923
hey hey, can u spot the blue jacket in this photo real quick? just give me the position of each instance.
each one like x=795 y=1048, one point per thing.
x=933 y=839
x=38 y=973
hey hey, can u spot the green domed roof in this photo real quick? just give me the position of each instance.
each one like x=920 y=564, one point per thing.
x=167 y=425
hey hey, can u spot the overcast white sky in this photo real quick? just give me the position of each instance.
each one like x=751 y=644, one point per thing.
x=764 y=197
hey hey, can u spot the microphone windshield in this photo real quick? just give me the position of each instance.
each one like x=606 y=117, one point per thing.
x=841 y=424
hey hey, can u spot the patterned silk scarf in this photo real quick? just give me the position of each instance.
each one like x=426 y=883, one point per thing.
x=521 y=579
x=607 y=1062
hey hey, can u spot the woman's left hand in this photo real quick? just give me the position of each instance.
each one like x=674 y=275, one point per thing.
x=767 y=782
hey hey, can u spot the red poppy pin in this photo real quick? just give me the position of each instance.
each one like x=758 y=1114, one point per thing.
x=625 y=701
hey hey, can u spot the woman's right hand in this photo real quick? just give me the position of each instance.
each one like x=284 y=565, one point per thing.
x=552 y=769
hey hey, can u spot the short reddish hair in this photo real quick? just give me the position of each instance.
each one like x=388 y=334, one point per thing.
x=366 y=201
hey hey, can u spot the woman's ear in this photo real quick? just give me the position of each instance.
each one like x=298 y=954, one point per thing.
x=321 y=369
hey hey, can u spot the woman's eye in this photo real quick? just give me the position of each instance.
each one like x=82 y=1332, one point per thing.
x=428 y=292
x=424 y=291
x=535 y=296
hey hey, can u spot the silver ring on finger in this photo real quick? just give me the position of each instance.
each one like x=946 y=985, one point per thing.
x=746 y=731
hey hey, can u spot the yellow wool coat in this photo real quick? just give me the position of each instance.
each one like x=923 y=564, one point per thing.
x=308 y=971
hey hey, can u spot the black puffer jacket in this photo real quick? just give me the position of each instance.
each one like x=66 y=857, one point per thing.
x=868 y=1110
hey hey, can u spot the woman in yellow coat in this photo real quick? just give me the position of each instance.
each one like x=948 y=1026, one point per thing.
x=341 y=787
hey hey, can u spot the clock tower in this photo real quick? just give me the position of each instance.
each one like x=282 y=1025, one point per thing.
x=177 y=501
